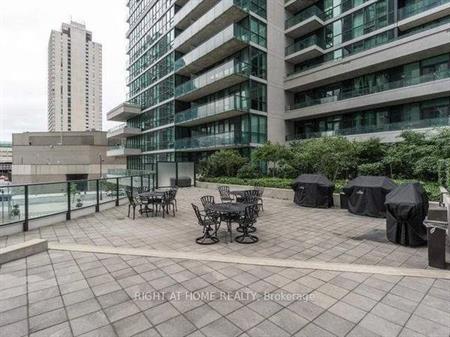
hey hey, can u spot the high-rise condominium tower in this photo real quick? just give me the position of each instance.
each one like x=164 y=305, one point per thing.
x=206 y=74
x=74 y=80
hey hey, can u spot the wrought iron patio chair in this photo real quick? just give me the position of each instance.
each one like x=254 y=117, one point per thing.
x=133 y=202
x=209 y=233
x=247 y=222
x=225 y=195
x=260 y=197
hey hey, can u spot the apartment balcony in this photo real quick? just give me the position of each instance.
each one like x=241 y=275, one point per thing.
x=214 y=21
x=221 y=77
x=220 y=46
x=305 y=22
x=385 y=132
x=305 y=49
x=227 y=107
x=192 y=11
x=212 y=142
x=123 y=112
x=401 y=51
x=123 y=131
x=418 y=14
x=390 y=93
x=122 y=151
x=297 y=5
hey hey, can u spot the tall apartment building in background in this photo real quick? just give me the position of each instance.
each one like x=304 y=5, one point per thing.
x=74 y=80
x=207 y=74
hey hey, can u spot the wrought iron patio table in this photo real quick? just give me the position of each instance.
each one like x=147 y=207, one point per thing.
x=150 y=196
x=240 y=194
x=228 y=212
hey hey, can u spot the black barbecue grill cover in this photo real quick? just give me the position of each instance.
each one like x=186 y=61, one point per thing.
x=313 y=190
x=406 y=209
x=366 y=195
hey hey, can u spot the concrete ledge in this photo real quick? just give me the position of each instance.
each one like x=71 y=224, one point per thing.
x=265 y=261
x=22 y=250
x=269 y=192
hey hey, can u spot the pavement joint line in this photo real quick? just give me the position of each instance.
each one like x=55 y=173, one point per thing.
x=287 y=263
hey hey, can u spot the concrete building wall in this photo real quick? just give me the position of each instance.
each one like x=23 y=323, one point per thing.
x=74 y=80
x=275 y=71
x=45 y=156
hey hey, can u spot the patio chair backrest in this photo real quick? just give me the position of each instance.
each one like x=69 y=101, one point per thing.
x=198 y=214
x=250 y=197
x=130 y=198
x=251 y=213
x=207 y=200
x=224 y=191
x=143 y=189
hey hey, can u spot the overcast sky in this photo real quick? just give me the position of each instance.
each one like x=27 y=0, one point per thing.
x=25 y=28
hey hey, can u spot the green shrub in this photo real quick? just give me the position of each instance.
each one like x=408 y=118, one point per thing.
x=431 y=188
x=249 y=170
x=372 y=169
x=332 y=156
x=223 y=163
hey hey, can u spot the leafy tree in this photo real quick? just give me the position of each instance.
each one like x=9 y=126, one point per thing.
x=331 y=156
x=273 y=154
x=223 y=163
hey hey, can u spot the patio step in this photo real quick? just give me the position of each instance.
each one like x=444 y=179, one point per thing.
x=21 y=250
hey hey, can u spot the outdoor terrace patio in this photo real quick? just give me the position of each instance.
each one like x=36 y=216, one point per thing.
x=77 y=290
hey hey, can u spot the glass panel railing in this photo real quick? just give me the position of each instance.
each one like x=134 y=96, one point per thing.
x=414 y=8
x=229 y=103
x=233 y=31
x=218 y=73
x=367 y=90
x=304 y=15
x=398 y=126
x=47 y=199
x=23 y=203
x=344 y=37
x=310 y=41
x=12 y=203
x=217 y=140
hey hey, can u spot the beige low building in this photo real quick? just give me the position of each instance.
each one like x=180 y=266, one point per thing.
x=60 y=156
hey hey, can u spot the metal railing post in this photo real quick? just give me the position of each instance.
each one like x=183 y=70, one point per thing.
x=97 y=205
x=117 y=191
x=156 y=176
x=68 y=202
x=142 y=182
x=176 y=174
x=25 y=223
x=195 y=174
x=131 y=185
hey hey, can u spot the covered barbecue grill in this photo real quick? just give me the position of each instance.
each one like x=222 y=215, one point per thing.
x=406 y=209
x=313 y=190
x=366 y=195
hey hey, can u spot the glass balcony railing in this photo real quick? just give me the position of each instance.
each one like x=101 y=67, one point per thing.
x=362 y=91
x=419 y=7
x=233 y=31
x=213 y=141
x=37 y=202
x=398 y=126
x=230 y=103
x=310 y=41
x=304 y=15
x=214 y=75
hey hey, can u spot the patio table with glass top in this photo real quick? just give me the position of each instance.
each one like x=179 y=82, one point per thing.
x=229 y=212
